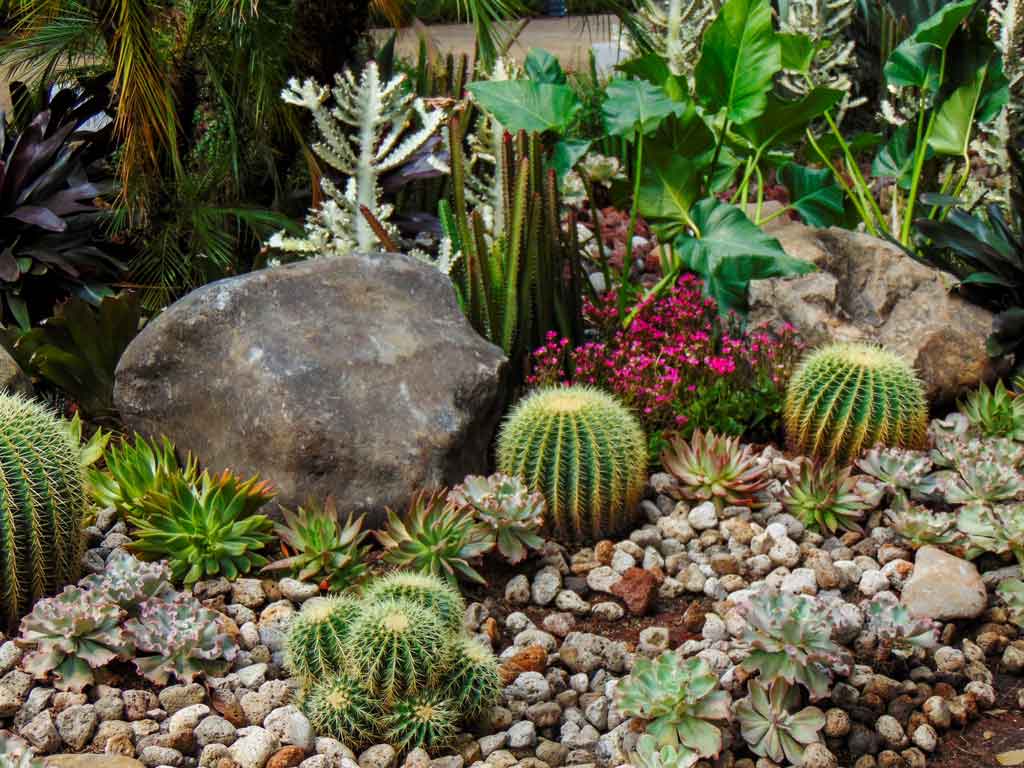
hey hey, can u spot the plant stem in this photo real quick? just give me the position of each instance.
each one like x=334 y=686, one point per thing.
x=920 y=152
x=637 y=174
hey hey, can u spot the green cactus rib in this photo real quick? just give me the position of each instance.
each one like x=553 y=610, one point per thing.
x=342 y=708
x=422 y=720
x=426 y=591
x=42 y=500
x=315 y=646
x=847 y=397
x=585 y=452
x=399 y=648
x=474 y=683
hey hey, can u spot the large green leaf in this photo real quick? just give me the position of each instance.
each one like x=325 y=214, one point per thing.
x=667 y=192
x=917 y=60
x=954 y=122
x=814 y=194
x=797 y=51
x=654 y=69
x=895 y=160
x=784 y=122
x=740 y=56
x=636 y=105
x=566 y=153
x=543 y=67
x=526 y=105
x=730 y=251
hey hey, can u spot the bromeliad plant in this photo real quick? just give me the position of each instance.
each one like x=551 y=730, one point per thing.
x=136 y=471
x=715 y=468
x=825 y=498
x=436 y=538
x=995 y=412
x=791 y=639
x=770 y=726
x=209 y=529
x=680 y=700
x=512 y=512
x=317 y=546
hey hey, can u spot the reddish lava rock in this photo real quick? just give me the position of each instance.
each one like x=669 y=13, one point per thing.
x=286 y=757
x=637 y=589
x=531 y=659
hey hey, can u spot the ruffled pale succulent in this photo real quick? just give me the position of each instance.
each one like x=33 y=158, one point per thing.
x=996 y=529
x=770 y=726
x=128 y=582
x=716 y=468
x=512 y=512
x=790 y=637
x=897 y=632
x=1012 y=592
x=921 y=526
x=650 y=754
x=679 y=699
x=895 y=469
x=825 y=498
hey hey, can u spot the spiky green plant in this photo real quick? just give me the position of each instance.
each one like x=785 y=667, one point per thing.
x=846 y=397
x=73 y=634
x=897 y=632
x=1012 y=592
x=209 y=530
x=423 y=719
x=315 y=647
x=398 y=647
x=679 y=698
x=507 y=508
x=585 y=452
x=341 y=707
x=771 y=728
x=319 y=547
x=430 y=592
x=435 y=538
x=42 y=503
x=135 y=471
x=995 y=412
x=791 y=638
x=824 y=498
x=716 y=468
x=474 y=684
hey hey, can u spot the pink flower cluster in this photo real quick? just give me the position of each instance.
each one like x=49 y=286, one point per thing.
x=679 y=364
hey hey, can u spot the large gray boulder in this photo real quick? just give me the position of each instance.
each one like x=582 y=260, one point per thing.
x=355 y=376
x=866 y=289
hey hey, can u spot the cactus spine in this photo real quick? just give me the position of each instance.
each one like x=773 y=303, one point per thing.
x=585 y=452
x=316 y=641
x=475 y=683
x=342 y=708
x=421 y=720
x=847 y=397
x=425 y=591
x=42 y=500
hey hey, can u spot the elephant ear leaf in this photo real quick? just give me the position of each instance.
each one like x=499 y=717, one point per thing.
x=740 y=56
x=728 y=251
x=917 y=61
x=526 y=105
x=813 y=194
x=637 y=106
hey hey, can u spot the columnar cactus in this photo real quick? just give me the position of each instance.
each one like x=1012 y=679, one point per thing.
x=847 y=397
x=585 y=452
x=42 y=500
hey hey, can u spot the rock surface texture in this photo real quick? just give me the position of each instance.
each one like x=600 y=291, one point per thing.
x=944 y=587
x=357 y=377
x=868 y=290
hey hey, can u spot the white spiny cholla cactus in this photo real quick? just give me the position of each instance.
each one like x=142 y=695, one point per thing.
x=367 y=131
x=1006 y=28
x=825 y=22
x=678 y=27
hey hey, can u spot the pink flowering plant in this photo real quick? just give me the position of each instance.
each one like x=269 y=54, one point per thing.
x=679 y=364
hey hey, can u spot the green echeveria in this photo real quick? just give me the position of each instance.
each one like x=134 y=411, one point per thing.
x=679 y=699
x=920 y=525
x=508 y=509
x=769 y=725
x=998 y=529
x=649 y=754
x=791 y=638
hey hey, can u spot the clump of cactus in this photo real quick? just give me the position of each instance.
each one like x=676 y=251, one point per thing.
x=42 y=503
x=679 y=699
x=897 y=632
x=921 y=526
x=824 y=498
x=316 y=641
x=179 y=638
x=209 y=530
x=507 y=508
x=438 y=597
x=585 y=452
x=847 y=397
x=995 y=412
x=791 y=639
x=319 y=547
x=715 y=468
x=770 y=726
x=73 y=634
x=435 y=538
x=136 y=470
x=393 y=665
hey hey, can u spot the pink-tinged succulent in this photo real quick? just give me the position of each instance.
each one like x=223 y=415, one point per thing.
x=512 y=512
x=73 y=634
x=715 y=468
x=128 y=582
x=824 y=497
x=179 y=638
x=897 y=631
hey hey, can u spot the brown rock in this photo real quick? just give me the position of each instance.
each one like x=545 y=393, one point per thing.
x=358 y=377
x=693 y=617
x=637 y=588
x=91 y=761
x=603 y=552
x=12 y=378
x=286 y=757
x=227 y=705
x=490 y=628
x=868 y=290
x=533 y=658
